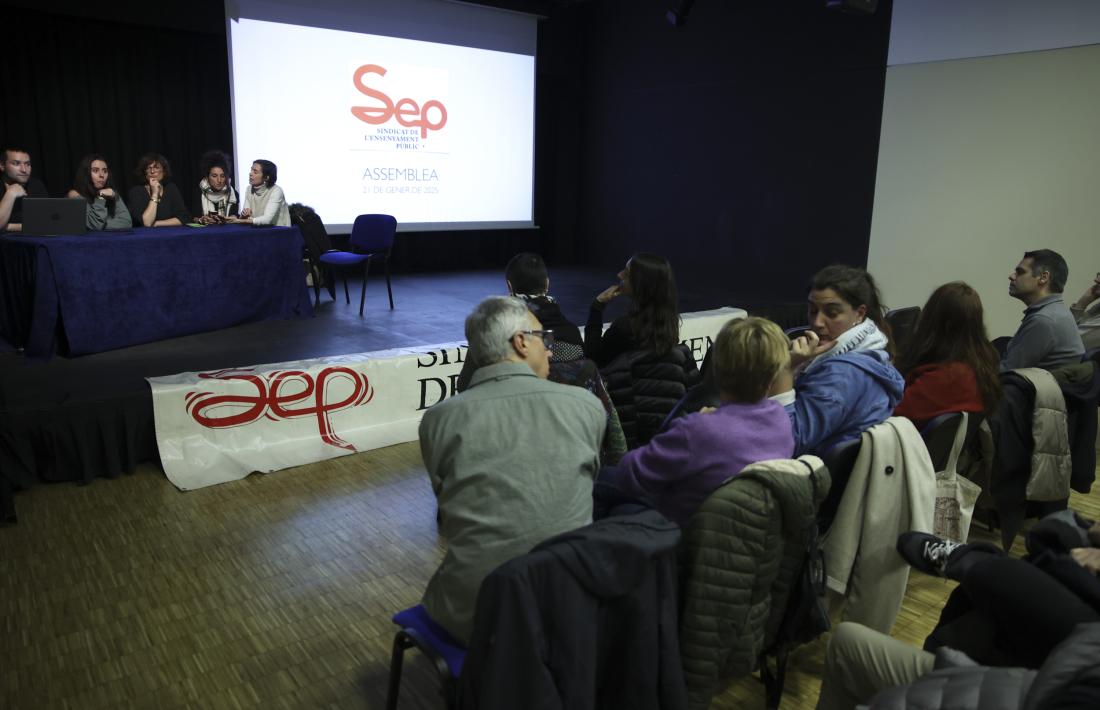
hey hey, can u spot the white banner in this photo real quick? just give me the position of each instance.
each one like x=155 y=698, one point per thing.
x=219 y=426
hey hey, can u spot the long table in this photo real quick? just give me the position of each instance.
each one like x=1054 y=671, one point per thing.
x=102 y=291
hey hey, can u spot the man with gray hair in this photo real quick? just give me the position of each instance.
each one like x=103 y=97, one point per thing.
x=1047 y=336
x=511 y=459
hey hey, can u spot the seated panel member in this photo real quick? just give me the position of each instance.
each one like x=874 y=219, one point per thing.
x=17 y=184
x=511 y=459
x=264 y=203
x=680 y=467
x=105 y=209
x=156 y=202
x=1047 y=336
x=217 y=199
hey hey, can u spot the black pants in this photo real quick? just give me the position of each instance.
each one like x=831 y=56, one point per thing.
x=1008 y=612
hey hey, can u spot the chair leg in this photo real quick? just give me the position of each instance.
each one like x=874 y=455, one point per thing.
x=316 y=274
x=401 y=642
x=363 y=292
x=347 y=298
x=389 y=290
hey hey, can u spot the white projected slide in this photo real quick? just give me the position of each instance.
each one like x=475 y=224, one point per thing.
x=437 y=135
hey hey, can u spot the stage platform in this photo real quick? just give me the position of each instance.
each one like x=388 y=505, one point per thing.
x=76 y=419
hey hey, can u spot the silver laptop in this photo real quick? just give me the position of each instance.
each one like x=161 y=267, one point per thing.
x=53 y=216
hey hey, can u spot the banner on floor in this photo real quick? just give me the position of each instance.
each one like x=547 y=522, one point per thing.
x=219 y=426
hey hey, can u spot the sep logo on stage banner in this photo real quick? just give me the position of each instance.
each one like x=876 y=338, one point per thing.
x=219 y=426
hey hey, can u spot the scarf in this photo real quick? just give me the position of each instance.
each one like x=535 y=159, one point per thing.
x=865 y=336
x=221 y=201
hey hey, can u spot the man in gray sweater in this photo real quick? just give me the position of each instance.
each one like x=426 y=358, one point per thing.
x=1047 y=336
x=511 y=459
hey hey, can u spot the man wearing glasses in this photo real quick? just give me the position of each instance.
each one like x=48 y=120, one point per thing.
x=511 y=459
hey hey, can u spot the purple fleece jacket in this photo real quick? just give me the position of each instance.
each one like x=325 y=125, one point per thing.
x=679 y=468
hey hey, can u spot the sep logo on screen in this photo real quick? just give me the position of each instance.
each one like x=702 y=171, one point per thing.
x=431 y=116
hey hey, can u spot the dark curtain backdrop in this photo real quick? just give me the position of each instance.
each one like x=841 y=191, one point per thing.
x=81 y=85
x=742 y=146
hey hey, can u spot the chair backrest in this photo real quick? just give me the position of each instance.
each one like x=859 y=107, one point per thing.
x=902 y=321
x=645 y=387
x=373 y=232
x=939 y=435
x=312 y=228
x=839 y=460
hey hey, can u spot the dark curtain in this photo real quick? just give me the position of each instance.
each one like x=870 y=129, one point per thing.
x=77 y=85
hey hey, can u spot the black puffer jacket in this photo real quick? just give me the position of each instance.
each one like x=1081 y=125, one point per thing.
x=645 y=387
x=1069 y=679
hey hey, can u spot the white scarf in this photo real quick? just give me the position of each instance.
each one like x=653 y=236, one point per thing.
x=865 y=336
x=213 y=200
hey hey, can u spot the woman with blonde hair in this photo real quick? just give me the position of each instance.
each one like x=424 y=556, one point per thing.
x=680 y=467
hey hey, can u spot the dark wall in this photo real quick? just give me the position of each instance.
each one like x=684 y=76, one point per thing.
x=115 y=86
x=743 y=145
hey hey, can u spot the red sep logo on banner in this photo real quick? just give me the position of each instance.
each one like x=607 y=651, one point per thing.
x=269 y=402
x=407 y=111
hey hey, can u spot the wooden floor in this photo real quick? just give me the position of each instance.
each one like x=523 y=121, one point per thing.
x=273 y=591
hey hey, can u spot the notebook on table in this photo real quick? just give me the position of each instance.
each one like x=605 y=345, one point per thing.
x=53 y=216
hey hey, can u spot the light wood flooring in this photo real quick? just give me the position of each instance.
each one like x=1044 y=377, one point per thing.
x=274 y=591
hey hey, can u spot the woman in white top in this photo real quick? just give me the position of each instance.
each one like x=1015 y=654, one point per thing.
x=263 y=202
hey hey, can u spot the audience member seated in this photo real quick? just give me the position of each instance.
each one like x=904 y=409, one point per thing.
x=105 y=209
x=949 y=366
x=217 y=198
x=264 y=203
x=680 y=467
x=156 y=202
x=526 y=277
x=1086 y=311
x=652 y=322
x=511 y=460
x=1047 y=336
x=1004 y=612
x=18 y=184
x=840 y=381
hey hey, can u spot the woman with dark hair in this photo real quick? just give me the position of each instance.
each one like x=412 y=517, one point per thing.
x=652 y=321
x=841 y=381
x=105 y=209
x=157 y=202
x=217 y=198
x=264 y=203
x=950 y=365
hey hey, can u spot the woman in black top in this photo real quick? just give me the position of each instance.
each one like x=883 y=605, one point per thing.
x=651 y=323
x=156 y=202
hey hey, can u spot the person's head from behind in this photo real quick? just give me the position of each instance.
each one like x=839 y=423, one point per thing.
x=263 y=172
x=501 y=329
x=17 y=164
x=214 y=166
x=748 y=356
x=526 y=275
x=841 y=298
x=153 y=166
x=92 y=175
x=952 y=328
x=1039 y=274
x=654 y=309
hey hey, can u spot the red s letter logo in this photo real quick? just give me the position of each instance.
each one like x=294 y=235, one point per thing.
x=408 y=112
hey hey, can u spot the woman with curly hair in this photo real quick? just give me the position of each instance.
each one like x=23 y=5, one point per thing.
x=156 y=202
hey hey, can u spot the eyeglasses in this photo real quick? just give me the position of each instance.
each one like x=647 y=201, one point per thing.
x=546 y=335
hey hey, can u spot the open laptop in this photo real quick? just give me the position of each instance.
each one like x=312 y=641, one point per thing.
x=53 y=216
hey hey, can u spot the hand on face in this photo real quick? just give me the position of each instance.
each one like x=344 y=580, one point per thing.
x=107 y=193
x=806 y=347
x=610 y=292
x=16 y=189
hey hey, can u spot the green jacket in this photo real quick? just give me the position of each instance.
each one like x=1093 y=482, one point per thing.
x=740 y=555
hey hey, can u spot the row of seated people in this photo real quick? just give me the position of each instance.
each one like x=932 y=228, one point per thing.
x=154 y=201
x=778 y=399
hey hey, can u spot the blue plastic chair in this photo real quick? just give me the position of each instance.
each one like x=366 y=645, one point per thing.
x=371 y=238
x=418 y=629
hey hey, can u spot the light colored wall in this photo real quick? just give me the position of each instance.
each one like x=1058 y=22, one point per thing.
x=980 y=160
x=933 y=30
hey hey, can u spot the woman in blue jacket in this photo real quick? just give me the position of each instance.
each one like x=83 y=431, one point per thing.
x=841 y=380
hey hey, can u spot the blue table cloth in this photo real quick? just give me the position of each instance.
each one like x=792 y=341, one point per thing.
x=101 y=291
